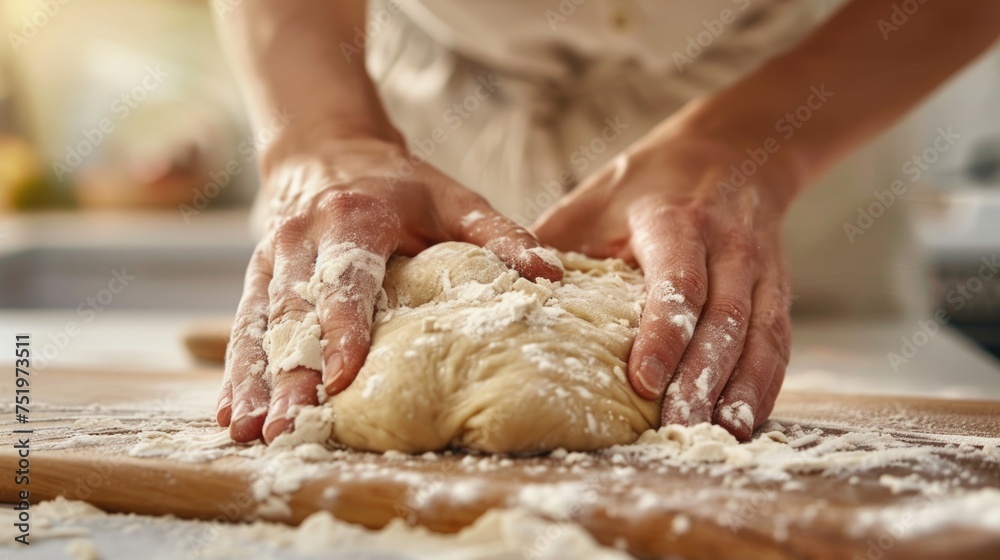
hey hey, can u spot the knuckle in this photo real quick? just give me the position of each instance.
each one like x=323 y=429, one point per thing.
x=694 y=214
x=350 y=308
x=290 y=230
x=775 y=329
x=665 y=338
x=246 y=326
x=729 y=310
x=286 y=304
x=739 y=240
x=692 y=285
x=262 y=253
x=337 y=203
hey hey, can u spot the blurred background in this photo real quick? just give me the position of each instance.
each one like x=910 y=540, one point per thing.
x=123 y=143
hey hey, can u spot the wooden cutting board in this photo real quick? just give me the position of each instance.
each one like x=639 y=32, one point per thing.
x=814 y=521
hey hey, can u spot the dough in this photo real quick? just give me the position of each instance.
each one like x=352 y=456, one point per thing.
x=467 y=354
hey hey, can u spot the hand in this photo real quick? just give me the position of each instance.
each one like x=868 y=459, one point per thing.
x=715 y=331
x=337 y=213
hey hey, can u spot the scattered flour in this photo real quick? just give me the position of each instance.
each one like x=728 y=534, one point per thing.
x=82 y=549
x=680 y=524
x=511 y=534
x=343 y=273
x=548 y=256
x=685 y=321
x=472 y=217
x=738 y=412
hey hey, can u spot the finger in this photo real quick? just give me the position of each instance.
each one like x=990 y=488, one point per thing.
x=765 y=355
x=359 y=235
x=246 y=383
x=292 y=340
x=296 y=387
x=672 y=255
x=717 y=342
x=478 y=223
x=224 y=404
x=771 y=396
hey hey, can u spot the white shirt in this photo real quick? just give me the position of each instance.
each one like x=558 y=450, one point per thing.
x=541 y=38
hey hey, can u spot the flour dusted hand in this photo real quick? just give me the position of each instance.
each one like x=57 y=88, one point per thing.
x=466 y=353
x=336 y=212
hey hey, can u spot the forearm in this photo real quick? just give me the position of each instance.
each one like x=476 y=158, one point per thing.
x=288 y=59
x=855 y=75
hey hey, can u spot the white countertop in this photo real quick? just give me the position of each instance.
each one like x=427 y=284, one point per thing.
x=112 y=229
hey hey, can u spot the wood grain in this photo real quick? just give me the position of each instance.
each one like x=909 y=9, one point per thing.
x=818 y=517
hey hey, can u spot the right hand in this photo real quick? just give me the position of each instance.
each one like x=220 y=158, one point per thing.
x=365 y=197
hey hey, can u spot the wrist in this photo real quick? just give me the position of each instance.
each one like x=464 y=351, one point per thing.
x=308 y=136
x=749 y=148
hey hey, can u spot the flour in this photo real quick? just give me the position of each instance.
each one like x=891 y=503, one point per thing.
x=348 y=272
x=738 y=413
x=779 y=457
x=471 y=218
x=193 y=448
x=343 y=273
x=549 y=257
x=704 y=384
x=685 y=321
x=974 y=509
x=97 y=423
x=82 y=549
x=512 y=534
x=294 y=343
x=665 y=292
x=680 y=524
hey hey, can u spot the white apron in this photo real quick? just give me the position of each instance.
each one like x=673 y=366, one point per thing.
x=509 y=98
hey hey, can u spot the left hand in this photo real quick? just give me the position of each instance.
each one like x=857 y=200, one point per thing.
x=715 y=332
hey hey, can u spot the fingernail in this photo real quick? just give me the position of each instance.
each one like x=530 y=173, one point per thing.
x=224 y=413
x=246 y=425
x=676 y=409
x=653 y=376
x=332 y=371
x=277 y=410
x=276 y=422
x=242 y=411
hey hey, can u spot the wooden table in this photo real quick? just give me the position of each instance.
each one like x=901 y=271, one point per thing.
x=753 y=522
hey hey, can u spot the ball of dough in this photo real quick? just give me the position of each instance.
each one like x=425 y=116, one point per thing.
x=467 y=354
